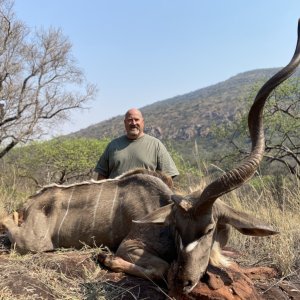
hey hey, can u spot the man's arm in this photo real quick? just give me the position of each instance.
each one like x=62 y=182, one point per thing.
x=165 y=161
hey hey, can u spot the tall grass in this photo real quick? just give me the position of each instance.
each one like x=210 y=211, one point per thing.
x=65 y=275
x=282 y=250
x=13 y=191
x=277 y=204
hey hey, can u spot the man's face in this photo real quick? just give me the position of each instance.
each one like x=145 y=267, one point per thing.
x=134 y=124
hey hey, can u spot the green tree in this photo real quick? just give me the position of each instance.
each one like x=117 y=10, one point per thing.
x=60 y=160
x=40 y=82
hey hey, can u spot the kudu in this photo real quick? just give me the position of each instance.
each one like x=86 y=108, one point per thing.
x=101 y=213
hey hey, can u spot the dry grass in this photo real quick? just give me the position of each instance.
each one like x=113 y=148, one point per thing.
x=61 y=275
x=282 y=250
x=37 y=276
x=13 y=192
x=47 y=277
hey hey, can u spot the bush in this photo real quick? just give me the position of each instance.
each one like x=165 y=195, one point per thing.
x=61 y=160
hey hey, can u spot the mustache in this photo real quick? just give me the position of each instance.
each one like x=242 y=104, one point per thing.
x=134 y=126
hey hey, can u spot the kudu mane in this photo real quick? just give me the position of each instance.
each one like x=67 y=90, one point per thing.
x=164 y=177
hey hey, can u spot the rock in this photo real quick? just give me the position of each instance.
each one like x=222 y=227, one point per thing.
x=232 y=283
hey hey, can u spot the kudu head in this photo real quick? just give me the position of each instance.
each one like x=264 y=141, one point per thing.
x=195 y=216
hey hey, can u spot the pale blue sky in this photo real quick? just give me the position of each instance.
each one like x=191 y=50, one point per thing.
x=138 y=52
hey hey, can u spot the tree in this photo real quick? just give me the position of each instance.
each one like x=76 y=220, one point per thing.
x=60 y=160
x=40 y=82
x=282 y=115
x=283 y=141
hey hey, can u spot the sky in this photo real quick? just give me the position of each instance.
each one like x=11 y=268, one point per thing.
x=138 y=52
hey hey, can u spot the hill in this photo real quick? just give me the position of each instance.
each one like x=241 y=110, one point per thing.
x=185 y=117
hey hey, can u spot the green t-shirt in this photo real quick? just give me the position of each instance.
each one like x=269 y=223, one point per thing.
x=123 y=154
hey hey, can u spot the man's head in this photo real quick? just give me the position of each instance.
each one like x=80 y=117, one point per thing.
x=134 y=124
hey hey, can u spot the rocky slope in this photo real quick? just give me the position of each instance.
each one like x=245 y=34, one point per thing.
x=191 y=115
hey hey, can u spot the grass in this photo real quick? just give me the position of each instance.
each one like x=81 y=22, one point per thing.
x=281 y=251
x=13 y=192
x=66 y=275
x=52 y=277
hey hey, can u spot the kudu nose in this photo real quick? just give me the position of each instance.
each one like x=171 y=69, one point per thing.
x=187 y=286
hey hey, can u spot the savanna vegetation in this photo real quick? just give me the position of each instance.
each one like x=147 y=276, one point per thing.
x=281 y=118
x=272 y=198
x=276 y=198
x=39 y=83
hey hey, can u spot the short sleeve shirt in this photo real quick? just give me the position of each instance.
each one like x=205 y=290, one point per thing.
x=123 y=154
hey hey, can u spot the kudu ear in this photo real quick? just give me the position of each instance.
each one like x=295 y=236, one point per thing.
x=245 y=223
x=159 y=216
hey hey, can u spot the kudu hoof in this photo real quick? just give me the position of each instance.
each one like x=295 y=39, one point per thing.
x=101 y=257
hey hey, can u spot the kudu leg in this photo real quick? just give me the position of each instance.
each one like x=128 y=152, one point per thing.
x=156 y=271
x=136 y=261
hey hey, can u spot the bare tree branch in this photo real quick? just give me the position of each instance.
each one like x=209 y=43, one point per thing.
x=282 y=141
x=39 y=80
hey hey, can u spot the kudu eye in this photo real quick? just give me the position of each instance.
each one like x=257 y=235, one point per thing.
x=209 y=230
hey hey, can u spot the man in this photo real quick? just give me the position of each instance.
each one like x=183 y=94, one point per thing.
x=134 y=150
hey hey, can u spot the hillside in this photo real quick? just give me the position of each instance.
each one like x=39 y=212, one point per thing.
x=185 y=117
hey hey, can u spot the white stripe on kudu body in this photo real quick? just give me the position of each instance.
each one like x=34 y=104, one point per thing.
x=113 y=209
x=64 y=217
x=96 y=206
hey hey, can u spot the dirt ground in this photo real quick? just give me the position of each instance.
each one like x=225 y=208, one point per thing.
x=77 y=275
